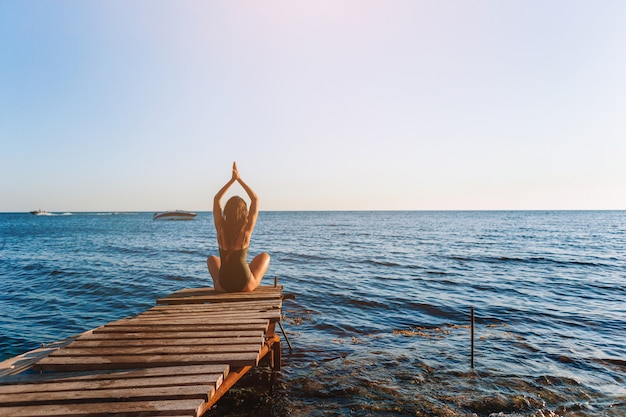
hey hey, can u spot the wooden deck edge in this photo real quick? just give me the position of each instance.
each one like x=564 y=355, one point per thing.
x=27 y=360
x=208 y=295
x=236 y=374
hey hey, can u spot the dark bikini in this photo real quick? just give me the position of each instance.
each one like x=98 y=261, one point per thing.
x=234 y=271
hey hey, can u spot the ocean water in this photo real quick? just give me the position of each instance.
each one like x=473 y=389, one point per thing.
x=380 y=321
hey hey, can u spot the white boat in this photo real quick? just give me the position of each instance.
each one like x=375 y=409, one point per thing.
x=174 y=215
x=40 y=212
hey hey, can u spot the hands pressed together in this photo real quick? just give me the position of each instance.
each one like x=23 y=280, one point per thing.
x=236 y=176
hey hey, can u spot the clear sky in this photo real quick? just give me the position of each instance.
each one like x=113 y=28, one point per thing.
x=325 y=105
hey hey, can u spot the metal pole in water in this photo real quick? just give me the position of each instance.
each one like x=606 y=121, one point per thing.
x=279 y=323
x=472 y=336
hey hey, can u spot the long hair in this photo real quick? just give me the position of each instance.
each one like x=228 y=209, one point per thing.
x=235 y=216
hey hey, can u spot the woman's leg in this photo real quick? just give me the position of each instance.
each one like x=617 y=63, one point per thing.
x=258 y=268
x=214 y=263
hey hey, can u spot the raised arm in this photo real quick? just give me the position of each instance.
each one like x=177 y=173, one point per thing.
x=218 y=217
x=253 y=212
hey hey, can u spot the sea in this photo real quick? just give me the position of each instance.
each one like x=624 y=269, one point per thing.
x=380 y=319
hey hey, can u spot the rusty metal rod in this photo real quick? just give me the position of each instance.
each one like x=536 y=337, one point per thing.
x=472 y=336
x=285 y=334
x=279 y=323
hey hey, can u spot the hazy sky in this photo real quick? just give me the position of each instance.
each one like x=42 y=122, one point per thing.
x=143 y=105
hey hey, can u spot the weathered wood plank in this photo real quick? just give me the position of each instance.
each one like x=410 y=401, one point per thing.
x=200 y=319
x=201 y=392
x=99 y=384
x=204 y=295
x=261 y=325
x=207 y=315
x=233 y=305
x=208 y=298
x=171 y=335
x=142 y=408
x=83 y=343
x=192 y=321
x=203 y=316
x=219 y=308
x=78 y=363
x=261 y=289
x=170 y=371
x=121 y=349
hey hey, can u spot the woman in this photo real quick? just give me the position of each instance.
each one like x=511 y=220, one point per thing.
x=234 y=226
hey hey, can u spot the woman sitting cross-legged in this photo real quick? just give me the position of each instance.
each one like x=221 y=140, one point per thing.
x=234 y=226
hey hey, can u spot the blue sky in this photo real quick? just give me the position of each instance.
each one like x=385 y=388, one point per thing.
x=325 y=105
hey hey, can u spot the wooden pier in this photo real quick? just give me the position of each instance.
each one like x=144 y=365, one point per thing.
x=175 y=359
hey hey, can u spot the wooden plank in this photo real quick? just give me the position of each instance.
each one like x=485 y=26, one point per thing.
x=203 y=316
x=200 y=319
x=171 y=371
x=80 y=363
x=208 y=298
x=121 y=349
x=169 y=342
x=233 y=305
x=95 y=384
x=171 y=335
x=209 y=313
x=263 y=303
x=137 y=408
x=260 y=325
x=261 y=289
x=195 y=321
x=204 y=295
x=207 y=309
x=206 y=313
x=201 y=392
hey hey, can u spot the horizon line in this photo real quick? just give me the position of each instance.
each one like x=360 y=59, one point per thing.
x=311 y=210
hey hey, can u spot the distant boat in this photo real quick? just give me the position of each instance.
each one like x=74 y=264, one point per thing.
x=40 y=212
x=174 y=215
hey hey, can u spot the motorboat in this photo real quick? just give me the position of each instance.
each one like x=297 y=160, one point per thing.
x=40 y=212
x=174 y=215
